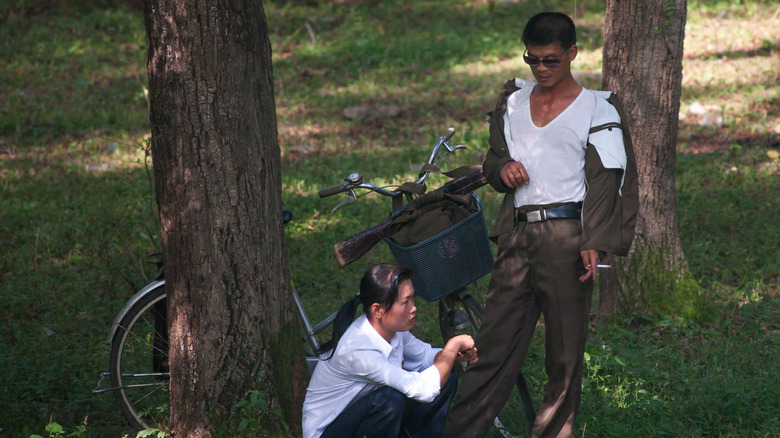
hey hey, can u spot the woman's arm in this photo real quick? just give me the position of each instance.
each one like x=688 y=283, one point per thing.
x=460 y=348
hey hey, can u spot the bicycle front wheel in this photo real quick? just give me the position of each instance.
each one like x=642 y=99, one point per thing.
x=139 y=362
x=459 y=313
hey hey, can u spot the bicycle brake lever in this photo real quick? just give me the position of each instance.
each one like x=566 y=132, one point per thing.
x=454 y=148
x=351 y=197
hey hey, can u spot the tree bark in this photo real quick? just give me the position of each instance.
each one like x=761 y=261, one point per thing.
x=217 y=168
x=643 y=51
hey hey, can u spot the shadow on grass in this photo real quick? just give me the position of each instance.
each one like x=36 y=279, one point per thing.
x=73 y=244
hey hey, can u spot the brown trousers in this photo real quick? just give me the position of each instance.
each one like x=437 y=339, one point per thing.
x=538 y=260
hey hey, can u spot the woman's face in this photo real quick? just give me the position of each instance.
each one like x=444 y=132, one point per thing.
x=400 y=317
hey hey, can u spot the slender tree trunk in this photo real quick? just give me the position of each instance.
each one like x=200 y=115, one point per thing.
x=643 y=50
x=218 y=180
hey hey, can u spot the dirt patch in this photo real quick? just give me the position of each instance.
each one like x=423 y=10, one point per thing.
x=720 y=143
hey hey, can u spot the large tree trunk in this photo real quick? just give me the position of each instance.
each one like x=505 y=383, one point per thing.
x=218 y=180
x=643 y=51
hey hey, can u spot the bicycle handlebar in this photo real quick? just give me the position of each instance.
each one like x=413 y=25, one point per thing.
x=330 y=191
x=355 y=180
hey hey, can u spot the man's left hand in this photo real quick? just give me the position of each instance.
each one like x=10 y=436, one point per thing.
x=590 y=259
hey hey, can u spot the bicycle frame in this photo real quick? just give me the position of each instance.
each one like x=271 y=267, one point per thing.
x=311 y=332
x=153 y=294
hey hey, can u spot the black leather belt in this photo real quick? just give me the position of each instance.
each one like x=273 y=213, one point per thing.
x=572 y=210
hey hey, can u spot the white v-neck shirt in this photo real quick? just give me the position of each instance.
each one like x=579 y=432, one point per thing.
x=553 y=155
x=364 y=358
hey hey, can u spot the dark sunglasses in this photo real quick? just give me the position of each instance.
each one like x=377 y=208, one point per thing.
x=533 y=61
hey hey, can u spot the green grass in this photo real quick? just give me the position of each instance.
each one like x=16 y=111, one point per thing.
x=76 y=206
x=72 y=78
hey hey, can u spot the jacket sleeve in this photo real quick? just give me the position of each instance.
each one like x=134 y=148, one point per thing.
x=611 y=202
x=498 y=152
x=497 y=155
x=601 y=217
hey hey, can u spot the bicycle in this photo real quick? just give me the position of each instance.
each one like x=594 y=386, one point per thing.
x=459 y=311
x=138 y=366
x=138 y=359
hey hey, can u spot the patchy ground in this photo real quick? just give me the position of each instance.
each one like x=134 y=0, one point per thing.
x=731 y=72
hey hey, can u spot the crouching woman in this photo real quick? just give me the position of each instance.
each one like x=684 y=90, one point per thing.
x=380 y=380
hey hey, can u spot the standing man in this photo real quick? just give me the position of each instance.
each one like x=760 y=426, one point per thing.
x=564 y=160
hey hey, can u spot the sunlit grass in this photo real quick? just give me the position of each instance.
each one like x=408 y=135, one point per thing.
x=77 y=208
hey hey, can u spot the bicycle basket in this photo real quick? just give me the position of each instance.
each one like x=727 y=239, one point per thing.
x=449 y=260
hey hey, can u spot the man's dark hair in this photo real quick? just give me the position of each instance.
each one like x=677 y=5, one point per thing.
x=549 y=28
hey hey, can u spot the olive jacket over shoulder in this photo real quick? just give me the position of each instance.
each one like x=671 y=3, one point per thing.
x=611 y=202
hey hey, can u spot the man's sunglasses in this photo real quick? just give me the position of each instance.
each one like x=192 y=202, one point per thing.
x=533 y=61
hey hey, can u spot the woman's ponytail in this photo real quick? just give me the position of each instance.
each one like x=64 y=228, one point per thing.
x=379 y=285
x=341 y=323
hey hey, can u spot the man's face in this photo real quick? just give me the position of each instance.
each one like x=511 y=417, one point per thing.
x=546 y=75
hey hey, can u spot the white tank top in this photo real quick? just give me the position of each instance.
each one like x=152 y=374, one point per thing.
x=553 y=155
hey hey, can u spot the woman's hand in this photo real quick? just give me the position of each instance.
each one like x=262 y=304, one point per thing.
x=469 y=356
x=458 y=349
x=465 y=347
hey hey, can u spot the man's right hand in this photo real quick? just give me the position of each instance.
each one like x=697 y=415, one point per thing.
x=513 y=174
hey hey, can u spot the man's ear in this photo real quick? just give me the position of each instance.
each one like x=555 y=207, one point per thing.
x=572 y=53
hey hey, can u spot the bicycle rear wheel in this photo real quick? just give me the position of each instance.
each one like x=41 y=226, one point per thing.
x=139 y=362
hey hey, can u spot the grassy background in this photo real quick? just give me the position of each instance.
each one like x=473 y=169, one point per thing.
x=77 y=214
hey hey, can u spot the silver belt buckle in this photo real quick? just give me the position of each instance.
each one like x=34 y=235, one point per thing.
x=534 y=216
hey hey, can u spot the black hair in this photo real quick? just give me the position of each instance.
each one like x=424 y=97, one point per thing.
x=547 y=28
x=380 y=285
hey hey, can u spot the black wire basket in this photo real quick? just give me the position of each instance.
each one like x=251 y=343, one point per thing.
x=450 y=260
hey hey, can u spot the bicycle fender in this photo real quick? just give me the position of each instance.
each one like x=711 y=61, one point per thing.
x=138 y=295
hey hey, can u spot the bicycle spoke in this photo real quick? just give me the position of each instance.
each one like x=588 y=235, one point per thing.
x=158 y=388
x=135 y=334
